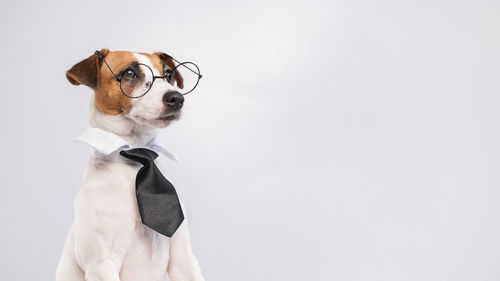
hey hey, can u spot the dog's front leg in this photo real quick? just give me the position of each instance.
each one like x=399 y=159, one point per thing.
x=105 y=270
x=100 y=251
x=182 y=265
x=103 y=231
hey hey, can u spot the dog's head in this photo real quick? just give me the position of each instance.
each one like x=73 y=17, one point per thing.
x=116 y=93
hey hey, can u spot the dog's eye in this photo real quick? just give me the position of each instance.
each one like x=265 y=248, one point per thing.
x=129 y=73
x=168 y=74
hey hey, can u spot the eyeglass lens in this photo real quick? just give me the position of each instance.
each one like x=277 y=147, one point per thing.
x=136 y=80
x=189 y=76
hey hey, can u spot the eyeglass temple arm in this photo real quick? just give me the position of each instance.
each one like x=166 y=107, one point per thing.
x=102 y=58
x=114 y=76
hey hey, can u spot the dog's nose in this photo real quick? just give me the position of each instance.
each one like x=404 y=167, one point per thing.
x=173 y=100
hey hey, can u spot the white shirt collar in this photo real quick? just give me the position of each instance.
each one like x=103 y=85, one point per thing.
x=107 y=146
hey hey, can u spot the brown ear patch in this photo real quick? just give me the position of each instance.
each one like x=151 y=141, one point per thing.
x=93 y=73
x=167 y=61
x=86 y=72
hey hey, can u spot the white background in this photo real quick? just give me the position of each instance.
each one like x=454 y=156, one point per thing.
x=334 y=140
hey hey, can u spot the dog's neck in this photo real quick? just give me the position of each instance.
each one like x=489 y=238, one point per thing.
x=127 y=129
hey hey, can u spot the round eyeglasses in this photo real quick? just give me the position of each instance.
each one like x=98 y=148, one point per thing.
x=137 y=79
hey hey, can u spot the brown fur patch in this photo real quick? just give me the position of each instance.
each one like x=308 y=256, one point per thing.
x=109 y=99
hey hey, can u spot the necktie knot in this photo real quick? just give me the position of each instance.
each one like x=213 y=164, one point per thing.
x=141 y=155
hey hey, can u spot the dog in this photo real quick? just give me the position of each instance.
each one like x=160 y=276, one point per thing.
x=107 y=240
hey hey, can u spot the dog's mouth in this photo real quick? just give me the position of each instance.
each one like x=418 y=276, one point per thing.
x=160 y=121
x=168 y=117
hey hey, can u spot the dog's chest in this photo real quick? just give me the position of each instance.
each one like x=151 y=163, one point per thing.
x=147 y=252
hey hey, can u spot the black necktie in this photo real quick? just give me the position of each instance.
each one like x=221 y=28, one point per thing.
x=159 y=205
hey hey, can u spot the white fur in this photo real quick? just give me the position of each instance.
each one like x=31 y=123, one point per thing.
x=148 y=108
x=107 y=241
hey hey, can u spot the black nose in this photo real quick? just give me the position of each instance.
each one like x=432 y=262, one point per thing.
x=173 y=100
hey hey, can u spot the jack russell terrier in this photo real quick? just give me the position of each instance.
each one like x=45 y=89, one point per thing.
x=129 y=224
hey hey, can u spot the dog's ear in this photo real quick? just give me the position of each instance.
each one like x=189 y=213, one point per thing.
x=86 y=71
x=167 y=60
